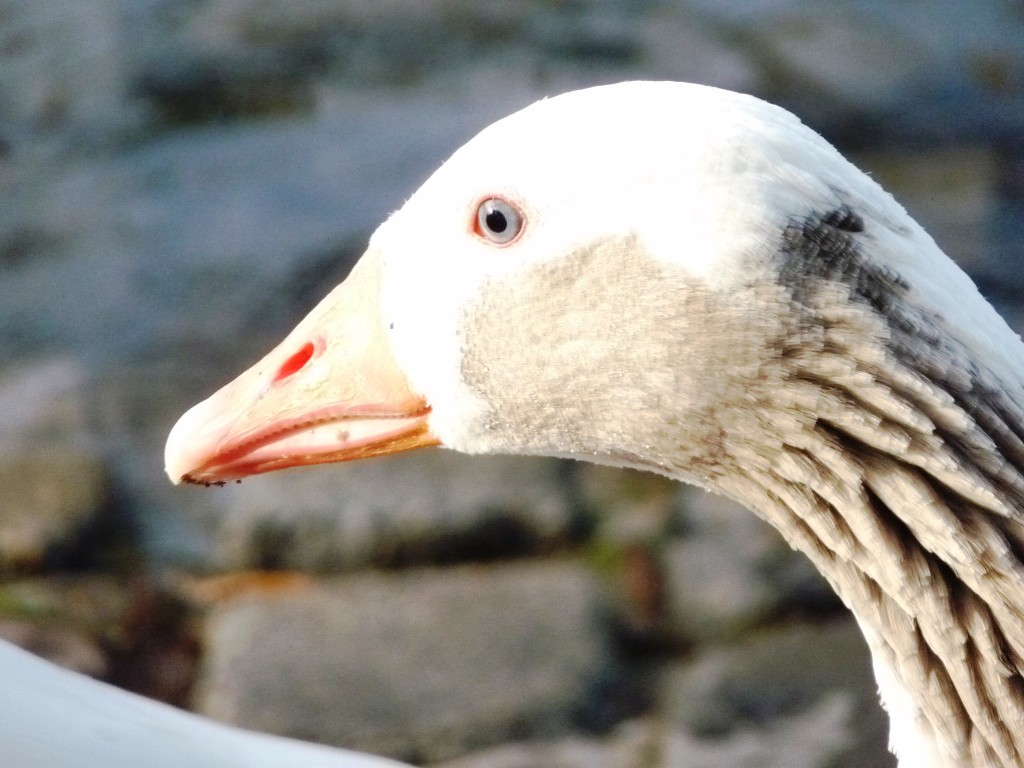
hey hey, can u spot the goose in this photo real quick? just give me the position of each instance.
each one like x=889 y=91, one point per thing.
x=54 y=718
x=686 y=280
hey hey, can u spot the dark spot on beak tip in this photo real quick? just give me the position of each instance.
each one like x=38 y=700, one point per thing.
x=189 y=480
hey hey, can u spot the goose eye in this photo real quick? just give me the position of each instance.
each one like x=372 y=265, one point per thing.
x=498 y=220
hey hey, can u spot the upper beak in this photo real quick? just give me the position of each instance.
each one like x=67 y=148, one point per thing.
x=331 y=391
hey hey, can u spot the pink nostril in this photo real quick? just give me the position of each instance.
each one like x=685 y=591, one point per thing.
x=295 y=363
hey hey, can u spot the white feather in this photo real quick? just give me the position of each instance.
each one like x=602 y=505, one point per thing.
x=53 y=718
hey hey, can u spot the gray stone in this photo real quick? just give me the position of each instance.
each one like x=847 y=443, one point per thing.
x=729 y=570
x=421 y=665
x=813 y=738
x=54 y=482
x=816 y=48
x=61 y=67
x=49 y=497
x=679 y=43
x=427 y=506
x=865 y=69
x=44 y=400
x=633 y=516
x=810 y=739
x=774 y=681
x=631 y=744
x=630 y=505
x=691 y=566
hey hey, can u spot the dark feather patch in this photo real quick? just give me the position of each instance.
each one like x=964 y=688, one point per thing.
x=826 y=246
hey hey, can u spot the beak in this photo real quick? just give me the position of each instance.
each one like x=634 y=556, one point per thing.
x=331 y=391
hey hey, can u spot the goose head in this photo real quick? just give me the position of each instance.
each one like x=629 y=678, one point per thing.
x=565 y=279
x=688 y=280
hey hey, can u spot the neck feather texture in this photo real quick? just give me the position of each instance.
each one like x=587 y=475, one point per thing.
x=896 y=466
x=824 y=398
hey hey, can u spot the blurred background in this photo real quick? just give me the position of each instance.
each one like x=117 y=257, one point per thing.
x=181 y=180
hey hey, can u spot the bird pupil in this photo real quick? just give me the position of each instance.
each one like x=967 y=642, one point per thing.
x=496 y=221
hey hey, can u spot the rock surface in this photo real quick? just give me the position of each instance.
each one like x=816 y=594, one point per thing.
x=419 y=665
x=782 y=679
x=55 y=483
x=731 y=572
x=432 y=506
x=811 y=739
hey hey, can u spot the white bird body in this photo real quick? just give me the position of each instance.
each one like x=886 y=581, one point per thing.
x=53 y=718
x=687 y=280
